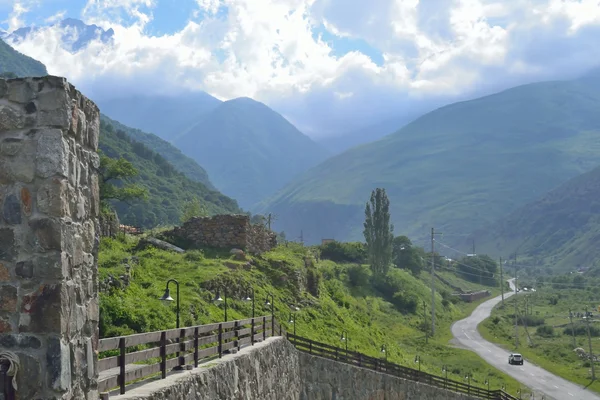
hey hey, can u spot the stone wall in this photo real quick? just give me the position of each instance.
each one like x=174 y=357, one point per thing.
x=49 y=204
x=224 y=231
x=274 y=370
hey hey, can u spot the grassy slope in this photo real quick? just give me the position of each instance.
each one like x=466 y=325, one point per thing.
x=551 y=353
x=22 y=65
x=172 y=154
x=249 y=150
x=168 y=188
x=560 y=229
x=369 y=320
x=455 y=168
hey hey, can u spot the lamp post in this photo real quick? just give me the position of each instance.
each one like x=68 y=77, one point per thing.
x=445 y=371
x=218 y=299
x=167 y=297
x=487 y=382
x=250 y=296
x=384 y=351
x=468 y=378
x=344 y=338
x=293 y=321
x=272 y=304
x=519 y=393
x=418 y=361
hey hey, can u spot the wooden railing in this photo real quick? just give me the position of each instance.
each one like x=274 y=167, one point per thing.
x=381 y=365
x=126 y=359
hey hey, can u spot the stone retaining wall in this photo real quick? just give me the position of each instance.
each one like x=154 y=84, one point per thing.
x=226 y=232
x=274 y=370
x=49 y=204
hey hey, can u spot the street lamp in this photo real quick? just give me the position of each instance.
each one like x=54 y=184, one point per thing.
x=167 y=297
x=468 y=378
x=344 y=338
x=293 y=321
x=418 y=361
x=219 y=299
x=445 y=371
x=519 y=393
x=487 y=382
x=272 y=304
x=384 y=351
x=250 y=296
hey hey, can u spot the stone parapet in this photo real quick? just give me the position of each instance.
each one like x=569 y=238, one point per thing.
x=49 y=202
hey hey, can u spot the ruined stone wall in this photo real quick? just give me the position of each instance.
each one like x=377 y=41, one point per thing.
x=226 y=232
x=49 y=205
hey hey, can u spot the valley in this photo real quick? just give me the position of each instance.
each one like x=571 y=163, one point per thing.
x=400 y=239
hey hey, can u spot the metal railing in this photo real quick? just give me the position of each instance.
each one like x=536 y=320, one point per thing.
x=383 y=366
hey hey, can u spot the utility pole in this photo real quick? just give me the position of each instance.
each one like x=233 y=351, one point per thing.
x=302 y=237
x=516 y=317
x=425 y=320
x=572 y=328
x=587 y=323
x=433 y=233
x=501 y=282
x=473 y=247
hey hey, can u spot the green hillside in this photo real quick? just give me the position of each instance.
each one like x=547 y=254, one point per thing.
x=18 y=63
x=561 y=229
x=456 y=168
x=249 y=150
x=172 y=154
x=168 y=188
x=331 y=301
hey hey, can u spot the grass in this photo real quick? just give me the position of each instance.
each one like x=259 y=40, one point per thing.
x=369 y=319
x=553 y=352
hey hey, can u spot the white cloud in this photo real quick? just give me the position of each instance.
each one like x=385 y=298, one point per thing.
x=14 y=18
x=267 y=50
x=59 y=16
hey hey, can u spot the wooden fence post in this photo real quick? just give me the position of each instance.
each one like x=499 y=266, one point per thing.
x=236 y=328
x=196 y=347
x=163 y=354
x=220 y=340
x=122 y=365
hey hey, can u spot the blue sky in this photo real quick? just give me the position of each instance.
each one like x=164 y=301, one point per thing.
x=327 y=65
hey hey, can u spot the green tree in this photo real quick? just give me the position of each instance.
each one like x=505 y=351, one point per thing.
x=406 y=256
x=114 y=175
x=481 y=269
x=193 y=208
x=378 y=232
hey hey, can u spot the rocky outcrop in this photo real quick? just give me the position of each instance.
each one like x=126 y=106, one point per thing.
x=49 y=204
x=224 y=232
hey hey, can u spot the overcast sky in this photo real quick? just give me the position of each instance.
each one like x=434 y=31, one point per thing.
x=326 y=65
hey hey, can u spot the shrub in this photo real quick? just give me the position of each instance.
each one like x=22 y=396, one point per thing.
x=194 y=255
x=530 y=320
x=545 y=331
x=354 y=252
x=359 y=275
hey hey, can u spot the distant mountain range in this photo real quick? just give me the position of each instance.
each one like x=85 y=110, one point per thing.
x=172 y=154
x=76 y=34
x=248 y=150
x=11 y=61
x=456 y=168
x=168 y=188
x=560 y=229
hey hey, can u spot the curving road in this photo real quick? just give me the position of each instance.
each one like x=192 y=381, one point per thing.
x=539 y=380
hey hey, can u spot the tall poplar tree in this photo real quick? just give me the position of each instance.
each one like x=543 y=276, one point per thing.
x=378 y=232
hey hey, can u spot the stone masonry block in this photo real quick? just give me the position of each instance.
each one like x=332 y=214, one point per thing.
x=7 y=244
x=41 y=311
x=58 y=364
x=8 y=298
x=52 y=154
x=47 y=233
x=10 y=118
x=52 y=198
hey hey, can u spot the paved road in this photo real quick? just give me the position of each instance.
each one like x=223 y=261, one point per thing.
x=541 y=381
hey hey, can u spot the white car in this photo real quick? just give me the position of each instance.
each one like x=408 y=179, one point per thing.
x=515 y=358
